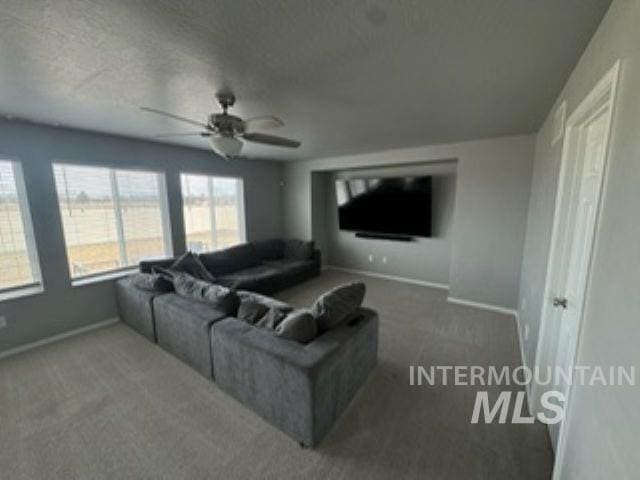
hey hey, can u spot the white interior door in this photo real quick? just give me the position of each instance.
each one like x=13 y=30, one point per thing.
x=582 y=175
x=591 y=149
x=588 y=153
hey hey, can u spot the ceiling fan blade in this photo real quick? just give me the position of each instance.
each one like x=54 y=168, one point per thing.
x=271 y=140
x=189 y=134
x=175 y=117
x=262 y=123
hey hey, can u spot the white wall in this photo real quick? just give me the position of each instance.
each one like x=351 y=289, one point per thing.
x=604 y=422
x=489 y=219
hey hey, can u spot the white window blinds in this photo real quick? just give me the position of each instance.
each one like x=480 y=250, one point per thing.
x=18 y=258
x=112 y=219
x=213 y=210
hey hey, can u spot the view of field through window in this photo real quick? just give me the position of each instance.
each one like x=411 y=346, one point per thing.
x=211 y=212
x=15 y=264
x=111 y=218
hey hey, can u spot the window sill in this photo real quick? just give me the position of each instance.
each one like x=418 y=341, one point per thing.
x=103 y=277
x=21 y=292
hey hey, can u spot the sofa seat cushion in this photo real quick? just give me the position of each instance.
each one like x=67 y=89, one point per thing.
x=248 y=278
x=291 y=266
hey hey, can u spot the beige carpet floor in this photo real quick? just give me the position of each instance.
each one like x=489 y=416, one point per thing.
x=109 y=404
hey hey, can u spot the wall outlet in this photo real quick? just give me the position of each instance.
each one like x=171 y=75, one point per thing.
x=3 y=321
x=370 y=258
x=384 y=260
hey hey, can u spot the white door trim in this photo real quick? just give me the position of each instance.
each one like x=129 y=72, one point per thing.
x=601 y=97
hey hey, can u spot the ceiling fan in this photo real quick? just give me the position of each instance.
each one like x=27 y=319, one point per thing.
x=224 y=130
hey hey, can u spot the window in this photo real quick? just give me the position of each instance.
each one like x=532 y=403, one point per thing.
x=19 y=265
x=112 y=219
x=213 y=212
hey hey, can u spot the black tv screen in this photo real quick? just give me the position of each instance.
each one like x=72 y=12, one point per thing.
x=392 y=205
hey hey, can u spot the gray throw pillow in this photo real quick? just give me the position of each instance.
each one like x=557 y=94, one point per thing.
x=299 y=326
x=298 y=249
x=251 y=311
x=222 y=298
x=151 y=282
x=191 y=264
x=335 y=306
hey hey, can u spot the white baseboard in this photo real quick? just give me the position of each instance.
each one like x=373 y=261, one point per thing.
x=368 y=273
x=60 y=336
x=484 y=306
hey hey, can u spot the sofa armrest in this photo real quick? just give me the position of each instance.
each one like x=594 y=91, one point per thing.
x=300 y=388
x=316 y=256
x=135 y=307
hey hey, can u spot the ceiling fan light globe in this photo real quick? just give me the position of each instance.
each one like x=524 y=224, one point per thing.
x=225 y=146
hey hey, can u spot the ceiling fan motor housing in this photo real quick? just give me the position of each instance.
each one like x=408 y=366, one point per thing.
x=226 y=124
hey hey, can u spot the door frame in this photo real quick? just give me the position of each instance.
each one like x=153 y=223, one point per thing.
x=601 y=97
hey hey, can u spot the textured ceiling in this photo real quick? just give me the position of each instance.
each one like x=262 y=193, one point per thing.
x=346 y=76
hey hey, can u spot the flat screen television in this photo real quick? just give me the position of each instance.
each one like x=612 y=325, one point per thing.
x=394 y=206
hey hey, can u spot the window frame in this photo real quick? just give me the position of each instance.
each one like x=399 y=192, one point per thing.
x=241 y=213
x=36 y=286
x=165 y=219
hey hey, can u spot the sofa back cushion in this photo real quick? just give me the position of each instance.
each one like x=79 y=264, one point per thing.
x=221 y=298
x=230 y=259
x=337 y=305
x=272 y=249
x=298 y=249
x=146 y=266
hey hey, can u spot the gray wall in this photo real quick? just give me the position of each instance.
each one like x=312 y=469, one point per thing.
x=63 y=307
x=603 y=425
x=425 y=259
x=489 y=219
x=489 y=226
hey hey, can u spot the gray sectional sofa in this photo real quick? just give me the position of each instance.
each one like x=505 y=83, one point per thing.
x=301 y=388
